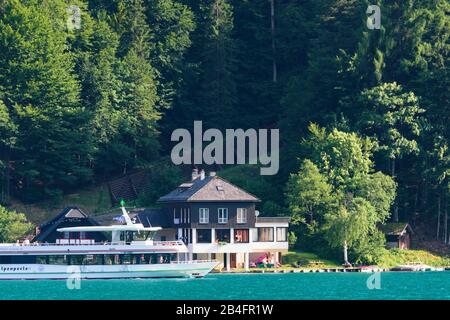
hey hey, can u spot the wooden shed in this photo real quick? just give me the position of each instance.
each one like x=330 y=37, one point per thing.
x=398 y=234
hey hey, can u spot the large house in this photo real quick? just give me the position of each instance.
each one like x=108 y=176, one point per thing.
x=218 y=220
x=215 y=219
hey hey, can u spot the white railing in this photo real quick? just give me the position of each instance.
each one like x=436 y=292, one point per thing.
x=90 y=242
x=168 y=243
x=192 y=261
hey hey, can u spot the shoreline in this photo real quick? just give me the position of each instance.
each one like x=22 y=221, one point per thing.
x=331 y=270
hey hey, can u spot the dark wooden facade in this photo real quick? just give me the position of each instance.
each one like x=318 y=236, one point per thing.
x=175 y=211
x=68 y=217
x=398 y=235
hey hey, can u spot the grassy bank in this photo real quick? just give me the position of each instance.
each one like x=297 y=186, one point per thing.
x=395 y=257
x=94 y=200
x=390 y=258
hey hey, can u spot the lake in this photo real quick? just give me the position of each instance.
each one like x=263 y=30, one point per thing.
x=392 y=285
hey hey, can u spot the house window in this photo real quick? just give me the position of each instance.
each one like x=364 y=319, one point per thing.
x=265 y=234
x=241 y=235
x=203 y=235
x=281 y=234
x=223 y=215
x=223 y=235
x=242 y=215
x=66 y=235
x=204 y=215
x=176 y=220
x=187 y=236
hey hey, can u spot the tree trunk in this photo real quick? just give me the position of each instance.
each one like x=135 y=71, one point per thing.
x=6 y=189
x=395 y=215
x=272 y=28
x=445 y=226
x=393 y=168
x=346 y=253
x=438 y=217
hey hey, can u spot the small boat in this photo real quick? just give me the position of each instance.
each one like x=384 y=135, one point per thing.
x=131 y=253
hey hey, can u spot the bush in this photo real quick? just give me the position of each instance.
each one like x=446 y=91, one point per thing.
x=13 y=225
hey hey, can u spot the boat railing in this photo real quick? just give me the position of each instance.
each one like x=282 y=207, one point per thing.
x=192 y=261
x=86 y=242
x=168 y=243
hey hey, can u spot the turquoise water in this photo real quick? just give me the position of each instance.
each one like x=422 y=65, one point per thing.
x=393 y=285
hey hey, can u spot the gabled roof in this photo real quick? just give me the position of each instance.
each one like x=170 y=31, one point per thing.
x=212 y=188
x=395 y=228
x=67 y=213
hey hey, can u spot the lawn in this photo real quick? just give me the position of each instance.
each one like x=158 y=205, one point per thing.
x=308 y=260
x=395 y=257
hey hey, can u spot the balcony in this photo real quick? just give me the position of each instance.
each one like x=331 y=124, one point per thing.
x=237 y=247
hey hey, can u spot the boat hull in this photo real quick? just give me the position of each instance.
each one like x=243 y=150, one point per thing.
x=47 y=271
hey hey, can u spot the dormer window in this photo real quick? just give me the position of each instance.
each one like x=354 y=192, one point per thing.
x=220 y=188
x=223 y=215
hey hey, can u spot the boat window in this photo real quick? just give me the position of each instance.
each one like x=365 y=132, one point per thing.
x=126 y=259
x=163 y=258
x=59 y=259
x=76 y=260
x=91 y=259
x=5 y=260
x=141 y=236
x=108 y=259
x=42 y=260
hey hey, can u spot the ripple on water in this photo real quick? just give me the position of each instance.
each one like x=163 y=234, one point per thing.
x=393 y=285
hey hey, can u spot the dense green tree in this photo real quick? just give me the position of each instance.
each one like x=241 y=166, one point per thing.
x=308 y=194
x=13 y=225
x=391 y=116
x=339 y=181
x=42 y=97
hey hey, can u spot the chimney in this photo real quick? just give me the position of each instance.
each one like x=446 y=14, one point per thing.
x=202 y=174
x=194 y=174
x=212 y=173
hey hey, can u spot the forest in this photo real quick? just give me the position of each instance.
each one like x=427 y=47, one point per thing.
x=93 y=89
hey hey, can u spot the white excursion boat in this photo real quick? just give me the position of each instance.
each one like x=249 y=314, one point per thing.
x=131 y=253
